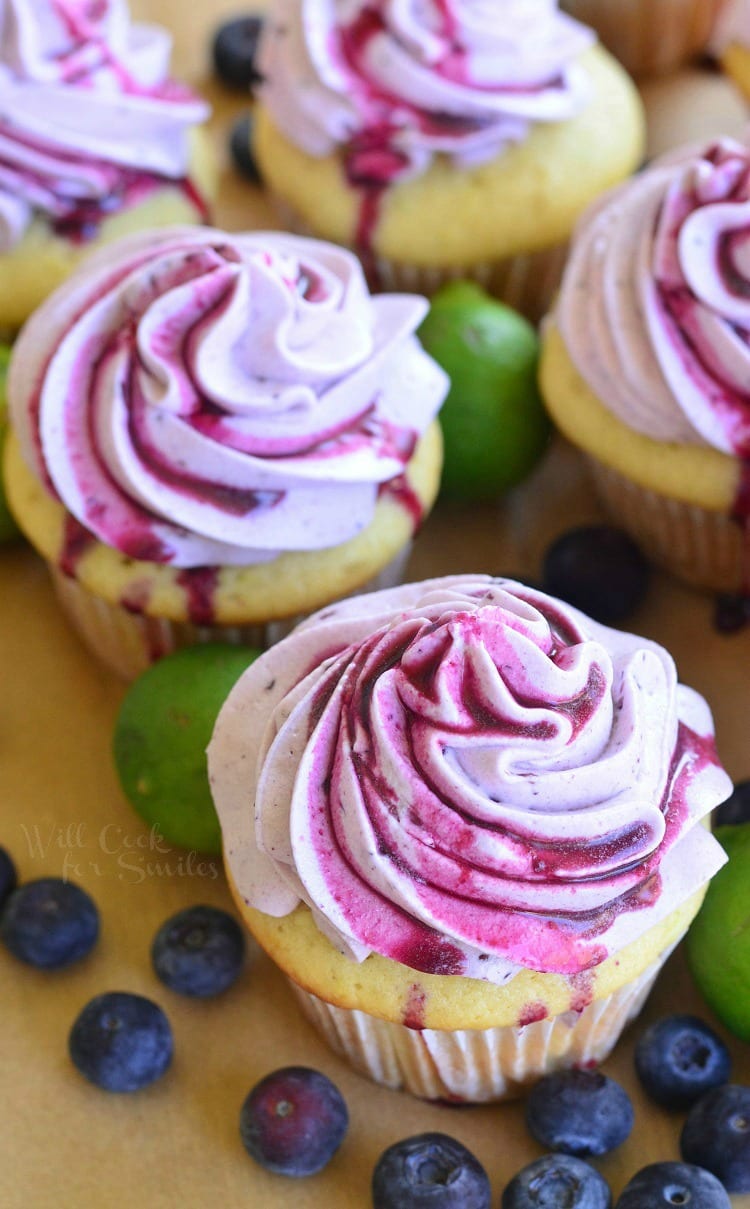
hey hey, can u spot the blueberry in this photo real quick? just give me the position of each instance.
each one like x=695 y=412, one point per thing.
x=557 y=1181
x=294 y=1121
x=731 y=612
x=716 y=1135
x=580 y=1112
x=429 y=1171
x=679 y=1059
x=664 y=1185
x=121 y=1042
x=199 y=951
x=49 y=923
x=736 y=809
x=8 y=876
x=240 y=147
x=234 y=50
x=598 y=569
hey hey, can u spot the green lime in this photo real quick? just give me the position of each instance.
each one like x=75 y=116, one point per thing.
x=493 y=420
x=718 y=943
x=161 y=735
x=8 y=527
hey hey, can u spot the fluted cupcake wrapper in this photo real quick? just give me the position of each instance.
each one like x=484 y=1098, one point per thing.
x=128 y=642
x=704 y=548
x=526 y=281
x=650 y=36
x=476 y=1065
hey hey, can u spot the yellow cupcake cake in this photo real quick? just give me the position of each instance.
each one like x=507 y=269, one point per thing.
x=447 y=144
x=646 y=360
x=464 y=820
x=96 y=141
x=213 y=434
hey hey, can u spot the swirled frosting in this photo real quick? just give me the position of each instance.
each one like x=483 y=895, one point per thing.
x=733 y=27
x=89 y=119
x=655 y=301
x=468 y=777
x=393 y=82
x=198 y=398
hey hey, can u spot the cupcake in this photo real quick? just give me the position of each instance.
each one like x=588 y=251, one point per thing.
x=95 y=141
x=646 y=360
x=213 y=433
x=464 y=820
x=444 y=139
x=651 y=36
x=731 y=44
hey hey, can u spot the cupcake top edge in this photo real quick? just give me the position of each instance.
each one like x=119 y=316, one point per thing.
x=90 y=119
x=392 y=83
x=198 y=398
x=469 y=777
x=654 y=305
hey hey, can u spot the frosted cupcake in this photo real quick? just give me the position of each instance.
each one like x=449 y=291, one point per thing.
x=731 y=43
x=96 y=140
x=442 y=139
x=651 y=36
x=646 y=361
x=464 y=820
x=213 y=433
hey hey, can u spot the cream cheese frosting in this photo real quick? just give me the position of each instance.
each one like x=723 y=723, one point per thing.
x=89 y=118
x=394 y=82
x=654 y=306
x=469 y=777
x=198 y=398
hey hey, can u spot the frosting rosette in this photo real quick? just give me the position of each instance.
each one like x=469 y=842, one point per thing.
x=468 y=777
x=654 y=306
x=394 y=82
x=197 y=398
x=89 y=118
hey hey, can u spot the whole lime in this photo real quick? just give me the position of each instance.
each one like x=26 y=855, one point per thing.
x=718 y=943
x=8 y=527
x=493 y=420
x=161 y=734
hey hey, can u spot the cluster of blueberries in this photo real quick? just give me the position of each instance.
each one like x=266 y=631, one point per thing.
x=294 y=1120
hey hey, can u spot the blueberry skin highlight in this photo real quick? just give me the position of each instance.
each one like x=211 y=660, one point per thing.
x=8 y=876
x=665 y=1185
x=293 y=1121
x=599 y=569
x=234 y=49
x=557 y=1181
x=679 y=1059
x=49 y=923
x=429 y=1171
x=199 y=951
x=579 y=1112
x=716 y=1135
x=121 y=1042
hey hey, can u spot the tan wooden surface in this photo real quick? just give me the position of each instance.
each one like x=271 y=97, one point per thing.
x=66 y=1145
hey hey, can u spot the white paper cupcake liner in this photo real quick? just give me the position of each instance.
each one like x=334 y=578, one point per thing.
x=706 y=549
x=127 y=643
x=650 y=36
x=475 y=1065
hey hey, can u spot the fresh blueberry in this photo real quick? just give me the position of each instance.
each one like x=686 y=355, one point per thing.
x=49 y=923
x=121 y=1042
x=580 y=1112
x=557 y=1181
x=679 y=1059
x=294 y=1121
x=199 y=951
x=429 y=1171
x=736 y=809
x=240 y=148
x=8 y=876
x=716 y=1135
x=664 y=1185
x=598 y=569
x=731 y=612
x=234 y=50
